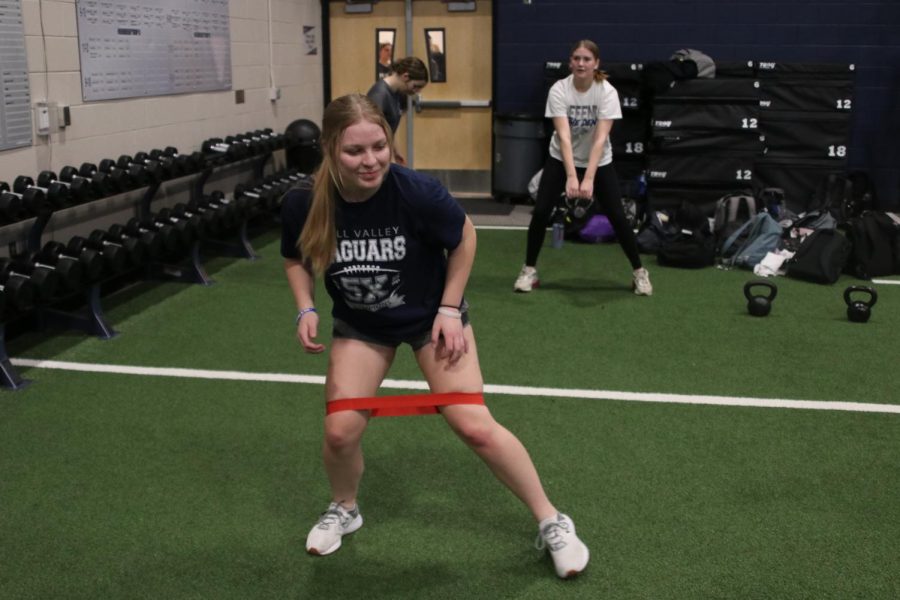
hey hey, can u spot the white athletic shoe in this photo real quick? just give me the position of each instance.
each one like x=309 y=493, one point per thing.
x=527 y=279
x=570 y=555
x=333 y=524
x=641 y=283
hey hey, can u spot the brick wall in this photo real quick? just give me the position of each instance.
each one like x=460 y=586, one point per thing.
x=110 y=128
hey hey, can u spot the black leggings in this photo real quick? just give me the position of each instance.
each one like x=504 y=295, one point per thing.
x=606 y=193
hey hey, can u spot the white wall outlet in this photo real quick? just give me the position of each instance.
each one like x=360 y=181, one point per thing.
x=49 y=117
x=42 y=118
x=274 y=94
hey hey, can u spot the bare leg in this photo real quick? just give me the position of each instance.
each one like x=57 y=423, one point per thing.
x=498 y=447
x=355 y=370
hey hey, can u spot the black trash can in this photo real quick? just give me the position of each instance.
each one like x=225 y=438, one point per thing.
x=520 y=147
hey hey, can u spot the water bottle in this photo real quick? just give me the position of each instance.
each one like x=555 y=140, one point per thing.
x=558 y=233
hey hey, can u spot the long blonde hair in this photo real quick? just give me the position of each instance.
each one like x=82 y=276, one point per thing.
x=318 y=240
x=594 y=49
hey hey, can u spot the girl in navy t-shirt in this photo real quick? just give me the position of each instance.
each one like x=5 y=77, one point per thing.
x=395 y=251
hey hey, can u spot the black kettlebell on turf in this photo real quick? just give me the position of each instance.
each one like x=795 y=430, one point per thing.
x=760 y=305
x=859 y=311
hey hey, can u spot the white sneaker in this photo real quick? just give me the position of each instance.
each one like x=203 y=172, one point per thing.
x=527 y=279
x=334 y=523
x=641 y=283
x=570 y=555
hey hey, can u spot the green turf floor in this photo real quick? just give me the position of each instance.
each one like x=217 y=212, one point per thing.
x=121 y=486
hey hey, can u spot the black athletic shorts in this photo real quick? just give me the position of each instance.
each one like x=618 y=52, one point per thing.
x=342 y=329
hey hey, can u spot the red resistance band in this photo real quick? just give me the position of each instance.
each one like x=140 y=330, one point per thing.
x=400 y=406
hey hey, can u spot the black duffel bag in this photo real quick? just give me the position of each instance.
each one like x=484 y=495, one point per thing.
x=821 y=257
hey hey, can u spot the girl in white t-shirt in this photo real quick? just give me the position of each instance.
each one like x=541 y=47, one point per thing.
x=583 y=107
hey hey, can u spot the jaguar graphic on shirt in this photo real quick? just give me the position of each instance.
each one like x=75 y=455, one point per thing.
x=366 y=282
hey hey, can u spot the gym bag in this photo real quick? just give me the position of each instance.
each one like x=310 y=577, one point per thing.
x=732 y=210
x=821 y=257
x=845 y=195
x=747 y=246
x=689 y=249
x=873 y=238
x=800 y=227
x=654 y=231
x=693 y=247
x=706 y=67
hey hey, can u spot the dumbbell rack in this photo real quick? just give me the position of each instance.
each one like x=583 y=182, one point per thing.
x=193 y=271
x=94 y=322
x=9 y=377
x=92 y=319
x=242 y=248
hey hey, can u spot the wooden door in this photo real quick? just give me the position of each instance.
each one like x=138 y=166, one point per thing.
x=453 y=143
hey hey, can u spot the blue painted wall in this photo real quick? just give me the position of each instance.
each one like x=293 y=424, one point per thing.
x=864 y=33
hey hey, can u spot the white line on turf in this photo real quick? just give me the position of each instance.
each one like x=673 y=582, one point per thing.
x=887 y=281
x=510 y=390
x=503 y=227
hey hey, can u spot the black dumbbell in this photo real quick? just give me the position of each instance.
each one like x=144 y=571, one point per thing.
x=213 y=215
x=31 y=201
x=114 y=257
x=124 y=178
x=98 y=183
x=293 y=178
x=169 y=169
x=227 y=211
x=188 y=163
x=187 y=231
x=133 y=175
x=210 y=218
x=279 y=182
x=179 y=233
x=144 y=172
x=228 y=150
x=134 y=251
x=18 y=292
x=279 y=186
x=248 y=148
x=10 y=204
x=254 y=145
x=277 y=139
x=232 y=210
x=44 y=280
x=150 y=241
x=262 y=196
x=114 y=182
x=71 y=272
x=170 y=239
x=56 y=253
x=265 y=143
x=80 y=189
x=200 y=221
x=182 y=218
x=56 y=193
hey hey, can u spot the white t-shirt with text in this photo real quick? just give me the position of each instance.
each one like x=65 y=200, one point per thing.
x=584 y=111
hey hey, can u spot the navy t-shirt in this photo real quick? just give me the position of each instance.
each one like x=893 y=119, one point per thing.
x=390 y=266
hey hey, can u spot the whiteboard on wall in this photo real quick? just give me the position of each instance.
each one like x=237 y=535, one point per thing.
x=15 y=96
x=134 y=48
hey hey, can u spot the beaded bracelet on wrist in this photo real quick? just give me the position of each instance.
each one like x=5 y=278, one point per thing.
x=302 y=312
